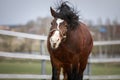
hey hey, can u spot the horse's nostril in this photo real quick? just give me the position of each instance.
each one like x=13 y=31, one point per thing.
x=54 y=44
x=58 y=39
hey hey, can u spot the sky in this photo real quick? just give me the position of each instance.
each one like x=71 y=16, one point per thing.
x=21 y=11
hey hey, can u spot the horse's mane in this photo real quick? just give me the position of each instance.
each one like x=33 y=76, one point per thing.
x=68 y=13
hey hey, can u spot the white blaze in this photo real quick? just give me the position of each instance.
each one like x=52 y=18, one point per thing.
x=58 y=21
x=55 y=39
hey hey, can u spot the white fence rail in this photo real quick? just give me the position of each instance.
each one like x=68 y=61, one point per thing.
x=24 y=56
x=24 y=76
x=44 y=58
x=24 y=35
x=100 y=43
x=32 y=76
x=38 y=37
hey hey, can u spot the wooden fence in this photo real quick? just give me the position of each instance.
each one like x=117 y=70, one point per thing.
x=43 y=58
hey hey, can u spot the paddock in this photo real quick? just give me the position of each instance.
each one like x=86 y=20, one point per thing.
x=43 y=58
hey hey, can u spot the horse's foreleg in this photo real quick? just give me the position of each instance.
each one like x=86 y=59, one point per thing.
x=74 y=74
x=80 y=77
x=55 y=73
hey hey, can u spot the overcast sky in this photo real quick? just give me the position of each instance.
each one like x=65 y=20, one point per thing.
x=21 y=11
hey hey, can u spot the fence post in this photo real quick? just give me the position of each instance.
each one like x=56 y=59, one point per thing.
x=89 y=68
x=43 y=62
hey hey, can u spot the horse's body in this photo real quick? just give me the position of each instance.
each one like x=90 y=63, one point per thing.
x=72 y=53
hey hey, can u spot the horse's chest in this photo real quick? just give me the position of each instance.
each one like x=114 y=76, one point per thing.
x=63 y=56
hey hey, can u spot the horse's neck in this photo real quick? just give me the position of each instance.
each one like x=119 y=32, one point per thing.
x=73 y=41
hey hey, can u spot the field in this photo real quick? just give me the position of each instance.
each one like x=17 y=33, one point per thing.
x=33 y=67
x=23 y=67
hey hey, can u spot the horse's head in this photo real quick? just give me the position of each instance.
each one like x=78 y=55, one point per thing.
x=58 y=30
x=65 y=19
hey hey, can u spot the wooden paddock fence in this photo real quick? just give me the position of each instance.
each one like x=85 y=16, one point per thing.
x=43 y=58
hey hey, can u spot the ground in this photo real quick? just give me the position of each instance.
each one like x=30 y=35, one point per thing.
x=33 y=67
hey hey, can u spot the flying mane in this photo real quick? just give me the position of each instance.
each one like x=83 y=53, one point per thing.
x=69 y=14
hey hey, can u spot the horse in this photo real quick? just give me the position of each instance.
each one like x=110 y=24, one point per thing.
x=69 y=43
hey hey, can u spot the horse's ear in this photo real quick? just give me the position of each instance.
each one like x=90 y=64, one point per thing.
x=53 y=13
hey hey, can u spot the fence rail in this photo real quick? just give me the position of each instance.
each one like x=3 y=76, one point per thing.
x=24 y=35
x=38 y=37
x=32 y=76
x=24 y=76
x=43 y=58
x=24 y=56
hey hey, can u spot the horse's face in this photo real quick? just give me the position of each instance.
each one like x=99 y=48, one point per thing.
x=58 y=32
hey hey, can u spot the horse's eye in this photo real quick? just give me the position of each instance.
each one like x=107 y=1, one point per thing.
x=66 y=25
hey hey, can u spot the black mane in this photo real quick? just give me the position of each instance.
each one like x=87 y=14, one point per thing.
x=69 y=14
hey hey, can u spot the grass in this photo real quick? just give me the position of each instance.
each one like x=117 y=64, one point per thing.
x=23 y=67
x=34 y=67
x=6 y=67
x=106 y=69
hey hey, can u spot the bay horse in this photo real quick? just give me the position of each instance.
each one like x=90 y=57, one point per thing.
x=69 y=43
